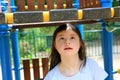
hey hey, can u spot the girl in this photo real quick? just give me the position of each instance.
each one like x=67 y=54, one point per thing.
x=68 y=59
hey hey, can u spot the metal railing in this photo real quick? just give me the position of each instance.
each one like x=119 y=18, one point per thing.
x=34 y=46
x=93 y=40
x=116 y=41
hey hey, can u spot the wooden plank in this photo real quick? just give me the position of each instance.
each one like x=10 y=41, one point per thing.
x=117 y=12
x=69 y=4
x=21 y=5
x=97 y=3
x=87 y=3
x=59 y=4
x=96 y=13
x=28 y=17
x=26 y=69
x=36 y=70
x=41 y=4
x=64 y=14
x=31 y=5
x=50 y=4
x=45 y=66
x=91 y=3
x=82 y=4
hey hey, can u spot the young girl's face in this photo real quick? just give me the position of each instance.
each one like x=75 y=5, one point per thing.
x=67 y=42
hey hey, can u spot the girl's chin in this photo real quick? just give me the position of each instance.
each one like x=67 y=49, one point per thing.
x=68 y=54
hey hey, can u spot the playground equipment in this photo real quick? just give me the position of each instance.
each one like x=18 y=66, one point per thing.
x=47 y=15
x=36 y=68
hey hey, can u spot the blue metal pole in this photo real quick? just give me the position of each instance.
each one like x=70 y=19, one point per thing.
x=5 y=52
x=76 y=4
x=4 y=5
x=2 y=59
x=107 y=42
x=81 y=29
x=16 y=54
x=106 y=3
x=15 y=46
x=80 y=26
x=12 y=5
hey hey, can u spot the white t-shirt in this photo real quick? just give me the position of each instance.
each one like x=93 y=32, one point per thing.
x=91 y=71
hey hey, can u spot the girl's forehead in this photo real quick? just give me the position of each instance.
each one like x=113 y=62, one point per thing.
x=67 y=32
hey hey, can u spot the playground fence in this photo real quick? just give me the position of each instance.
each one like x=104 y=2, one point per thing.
x=32 y=45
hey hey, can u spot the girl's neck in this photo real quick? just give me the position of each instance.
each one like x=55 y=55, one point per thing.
x=69 y=66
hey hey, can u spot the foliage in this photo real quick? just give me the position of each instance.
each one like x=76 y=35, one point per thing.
x=92 y=35
x=34 y=40
x=26 y=49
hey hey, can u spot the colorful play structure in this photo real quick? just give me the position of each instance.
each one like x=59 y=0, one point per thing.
x=16 y=14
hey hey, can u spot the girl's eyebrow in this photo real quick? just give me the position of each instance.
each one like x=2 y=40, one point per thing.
x=59 y=35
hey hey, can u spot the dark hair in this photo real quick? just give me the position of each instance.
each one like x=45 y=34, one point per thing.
x=55 y=56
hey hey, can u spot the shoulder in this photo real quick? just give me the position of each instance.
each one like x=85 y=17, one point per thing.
x=91 y=65
x=91 y=62
x=95 y=69
x=51 y=73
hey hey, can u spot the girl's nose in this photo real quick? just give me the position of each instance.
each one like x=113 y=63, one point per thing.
x=67 y=42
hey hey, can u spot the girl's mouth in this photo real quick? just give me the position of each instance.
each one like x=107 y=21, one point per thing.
x=68 y=48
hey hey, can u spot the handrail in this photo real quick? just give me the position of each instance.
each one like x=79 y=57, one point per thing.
x=43 y=18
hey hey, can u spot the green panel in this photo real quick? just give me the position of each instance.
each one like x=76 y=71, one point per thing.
x=49 y=41
x=116 y=3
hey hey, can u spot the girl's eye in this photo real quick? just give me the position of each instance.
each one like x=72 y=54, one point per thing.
x=72 y=37
x=61 y=38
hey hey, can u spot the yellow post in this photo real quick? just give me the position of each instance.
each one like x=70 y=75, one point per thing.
x=112 y=12
x=9 y=18
x=80 y=14
x=46 y=16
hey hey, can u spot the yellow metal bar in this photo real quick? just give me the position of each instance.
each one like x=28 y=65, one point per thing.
x=112 y=12
x=46 y=16
x=80 y=14
x=9 y=18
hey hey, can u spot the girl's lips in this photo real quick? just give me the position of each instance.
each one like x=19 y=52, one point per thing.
x=68 y=48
